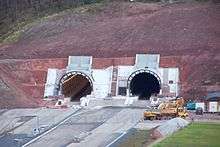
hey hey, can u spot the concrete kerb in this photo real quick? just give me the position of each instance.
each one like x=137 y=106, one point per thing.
x=124 y=133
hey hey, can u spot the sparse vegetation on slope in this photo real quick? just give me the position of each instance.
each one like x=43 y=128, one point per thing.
x=16 y=16
x=187 y=32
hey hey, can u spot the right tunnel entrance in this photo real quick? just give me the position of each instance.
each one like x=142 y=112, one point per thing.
x=143 y=84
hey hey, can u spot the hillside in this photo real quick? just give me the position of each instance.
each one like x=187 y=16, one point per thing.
x=121 y=29
x=188 y=31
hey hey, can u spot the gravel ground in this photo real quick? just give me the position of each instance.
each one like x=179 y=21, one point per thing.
x=171 y=126
x=204 y=117
x=147 y=124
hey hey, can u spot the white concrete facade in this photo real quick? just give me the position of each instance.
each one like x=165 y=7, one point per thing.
x=102 y=82
x=102 y=78
x=51 y=82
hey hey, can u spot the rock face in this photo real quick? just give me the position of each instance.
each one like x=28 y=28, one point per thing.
x=170 y=127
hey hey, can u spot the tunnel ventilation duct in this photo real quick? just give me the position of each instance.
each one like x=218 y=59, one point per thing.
x=75 y=84
x=144 y=83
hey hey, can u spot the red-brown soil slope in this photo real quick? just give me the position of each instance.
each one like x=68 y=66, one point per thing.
x=189 y=32
x=122 y=29
x=22 y=81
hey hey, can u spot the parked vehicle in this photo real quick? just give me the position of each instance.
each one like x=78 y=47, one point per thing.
x=199 y=111
x=191 y=106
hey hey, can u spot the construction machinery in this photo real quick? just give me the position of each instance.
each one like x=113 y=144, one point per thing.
x=167 y=110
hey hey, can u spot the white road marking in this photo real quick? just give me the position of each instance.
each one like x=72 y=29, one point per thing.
x=121 y=135
x=50 y=130
x=116 y=139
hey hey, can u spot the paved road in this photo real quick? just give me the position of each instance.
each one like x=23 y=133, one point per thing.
x=114 y=128
x=76 y=128
x=96 y=127
x=17 y=124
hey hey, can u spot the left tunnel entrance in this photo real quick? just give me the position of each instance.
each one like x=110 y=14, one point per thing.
x=76 y=85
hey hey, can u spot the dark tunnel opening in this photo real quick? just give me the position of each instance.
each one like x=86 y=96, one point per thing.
x=144 y=85
x=76 y=86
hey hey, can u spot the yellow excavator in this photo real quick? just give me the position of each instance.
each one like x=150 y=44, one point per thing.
x=167 y=110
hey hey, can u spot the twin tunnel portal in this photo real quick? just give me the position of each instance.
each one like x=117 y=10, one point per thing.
x=141 y=83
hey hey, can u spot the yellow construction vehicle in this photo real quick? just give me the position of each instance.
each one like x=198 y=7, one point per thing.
x=167 y=110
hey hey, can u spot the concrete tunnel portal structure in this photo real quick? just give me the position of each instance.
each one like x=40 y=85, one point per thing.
x=141 y=77
x=144 y=83
x=75 y=85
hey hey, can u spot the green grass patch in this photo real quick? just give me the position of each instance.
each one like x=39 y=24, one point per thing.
x=195 y=135
x=135 y=138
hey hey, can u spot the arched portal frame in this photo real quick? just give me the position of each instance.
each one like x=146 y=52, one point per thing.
x=136 y=72
x=72 y=73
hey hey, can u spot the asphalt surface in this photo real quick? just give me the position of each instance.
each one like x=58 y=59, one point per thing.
x=76 y=128
x=17 y=125
x=113 y=129
x=95 y=127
